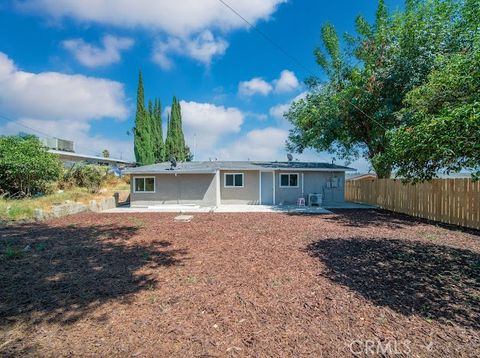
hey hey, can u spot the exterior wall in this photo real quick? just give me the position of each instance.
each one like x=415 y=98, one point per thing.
x=249 y=194
x=177 y=189
x=313 y=182
x=201 y=189
x=287 y=195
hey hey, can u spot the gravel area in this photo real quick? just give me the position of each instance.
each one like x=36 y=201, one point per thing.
x=351 y=283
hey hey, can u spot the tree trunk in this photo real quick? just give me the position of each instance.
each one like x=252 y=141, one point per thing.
x=382 y=170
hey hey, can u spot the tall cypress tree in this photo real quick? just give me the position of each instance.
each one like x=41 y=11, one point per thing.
x=181 y=137
x=169 y=141
x=158 y=132
x=176 y=139
x=143 y=147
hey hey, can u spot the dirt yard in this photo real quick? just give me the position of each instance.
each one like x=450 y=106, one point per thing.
x=363 y=283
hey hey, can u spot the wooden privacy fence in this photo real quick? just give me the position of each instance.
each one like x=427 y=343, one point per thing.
x=451 y=201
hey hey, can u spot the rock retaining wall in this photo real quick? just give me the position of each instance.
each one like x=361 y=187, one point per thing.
x=70 y=208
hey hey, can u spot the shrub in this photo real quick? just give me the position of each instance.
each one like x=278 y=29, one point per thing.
x=26 y=167
x=85 y=175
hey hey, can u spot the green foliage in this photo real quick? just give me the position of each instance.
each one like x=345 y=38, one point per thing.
x=175 y=142
x=85 y=175
x=156 y=118
x=149 y=146
x=26 y=167
x=442 y=130
x=12 y=252
x=20 y=212
x=143 y=131
x=353 y=112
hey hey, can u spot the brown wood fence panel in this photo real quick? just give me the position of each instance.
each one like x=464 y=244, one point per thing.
x=452 y=201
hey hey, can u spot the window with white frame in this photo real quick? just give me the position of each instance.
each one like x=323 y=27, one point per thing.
x=289 y=180
x=144 y=185
x=233 y=180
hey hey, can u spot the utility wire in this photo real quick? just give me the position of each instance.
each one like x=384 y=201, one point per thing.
x=18 y=123
x=292 y=58
x=268 y=38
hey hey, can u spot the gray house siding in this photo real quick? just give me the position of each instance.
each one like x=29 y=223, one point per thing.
x=177 y=189
x=313 y=182
x=249 y=194
x=317 y=182
x=287 y=195
x=206 y=186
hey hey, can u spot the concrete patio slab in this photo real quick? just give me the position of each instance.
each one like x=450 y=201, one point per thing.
x=239 y=208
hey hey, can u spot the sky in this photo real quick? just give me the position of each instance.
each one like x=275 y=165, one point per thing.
x=69 y=69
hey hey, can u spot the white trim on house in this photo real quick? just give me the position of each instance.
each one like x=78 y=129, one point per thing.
x=260 y=187
x=273 y=184
x=218 y=198
x=288 y=186
x=233 y=186
x=303 y=185
x=144 y=184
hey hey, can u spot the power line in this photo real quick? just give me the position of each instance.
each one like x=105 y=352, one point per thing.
x=18 y=123
x=268 y=38
x=292 y=58
x=28 y=127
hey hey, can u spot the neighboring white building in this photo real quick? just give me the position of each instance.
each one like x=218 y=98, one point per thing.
x=65 y=149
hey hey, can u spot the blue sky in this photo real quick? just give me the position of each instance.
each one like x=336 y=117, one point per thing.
x=69 y=69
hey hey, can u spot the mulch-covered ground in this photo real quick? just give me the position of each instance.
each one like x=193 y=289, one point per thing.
x=365 y=283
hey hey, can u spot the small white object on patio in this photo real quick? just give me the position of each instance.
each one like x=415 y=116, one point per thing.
x=184 y=218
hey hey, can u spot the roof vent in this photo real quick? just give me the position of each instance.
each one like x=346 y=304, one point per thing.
x=173 y=163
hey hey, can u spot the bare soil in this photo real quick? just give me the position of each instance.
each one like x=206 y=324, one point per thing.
x=354 y=283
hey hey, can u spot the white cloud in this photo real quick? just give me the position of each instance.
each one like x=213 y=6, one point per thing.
x=202 y=48
x=254 y=86
x=95 y=56
x=287 y=82
x=77 y=131
x=188 y=22
x=209 y=123
x=53 y=95
x=279 y=110
x=258 y=144
x=61 y=105
x=181 y=17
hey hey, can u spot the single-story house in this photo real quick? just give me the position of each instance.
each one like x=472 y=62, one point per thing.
x=365 y=176
x=215 y=183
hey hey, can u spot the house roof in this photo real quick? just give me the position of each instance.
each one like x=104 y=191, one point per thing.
x=213 y=166
x=86 y=156
x=360 y=176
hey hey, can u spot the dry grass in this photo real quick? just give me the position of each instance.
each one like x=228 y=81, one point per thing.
x=24 y=209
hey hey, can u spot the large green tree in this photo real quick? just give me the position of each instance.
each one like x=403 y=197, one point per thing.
x=442 y=121
x=352 y=111
x=143 y=132
x=26 y=167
